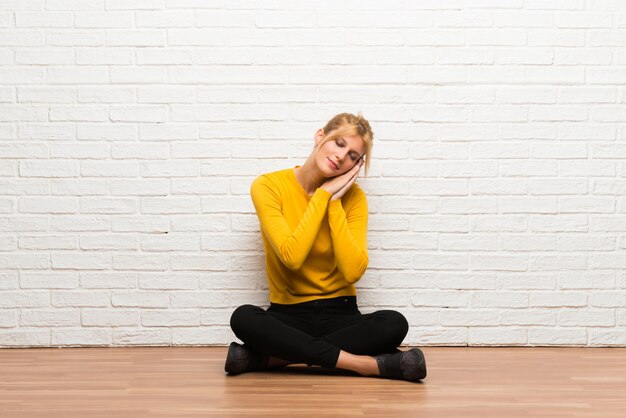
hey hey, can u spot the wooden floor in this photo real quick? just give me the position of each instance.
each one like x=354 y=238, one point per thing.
x=190 y=381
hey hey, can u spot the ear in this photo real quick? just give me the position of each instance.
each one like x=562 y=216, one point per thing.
x=319 y=135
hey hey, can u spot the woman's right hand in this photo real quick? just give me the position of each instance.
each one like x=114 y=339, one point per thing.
x=335 y=184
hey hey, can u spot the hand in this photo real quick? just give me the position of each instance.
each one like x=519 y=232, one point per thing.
x=339 y=185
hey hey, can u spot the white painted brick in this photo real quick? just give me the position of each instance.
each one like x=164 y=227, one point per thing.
x=24 y=261
x=109 y=318
x=139 y=299
x=201 y=335
x=557 y=263
x=48 y=280
x=536 y=56
x=75 y=38
x=79 y=113
x=170 y=169
x=442 y=299
x=107 y=205
x=136 y=38
x=199 y=262
x=524 y=282
x=220 y=204
x=103 y=20
x=7 y=94
x=72 y=150
x=79 y=223
x=138 y=113
x=23 y=223
x=107 y=280
x=558 y=223
x=8 y=319
x=213 y=223
x=77 y=75
x=43 y=20
x=170 y=318
x=587 y=317
x=464 y=243
x=81 y=337
x=109 y=242
x=468 y=205
x=607 y=337
x=138 y=75
x=109 y=169
x=439 y=336
x=166 y=243
x=170 y=205
x=8 y=243
x=525 y=19
x=582 y=56
x=557 y=336
x=165 y=19
x=160 y=336
x=22 y=38
x=139 y=187
x=50 y=318
x=47 y=205
x=108 y=56
x=215 y=317
x=607 y=300
x=202 y=187
x=169 y=132
x=44 y=57
x=23 y=113
x=500 y=299
x=139 y=151
x=8 y=280
x=47 y=242
x=166 y=94
x=528 y=205
x=17 y=150
x=466 y=317
x=45 y=131
x=407 y=242
x=169 y=281
x=135 y=4
x=48 y=168
x=140 y=262
x=545 y=317
x=497 y=336
x=557 y=299
x=143 y=223
x=27 y=338
x=205 y=299
x=24 y=186
x=105 y=94
x=80 y=261
x=498 y=187
x=409 y=205
x=586 y=280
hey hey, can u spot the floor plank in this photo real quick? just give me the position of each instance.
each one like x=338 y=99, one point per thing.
x=190 y=382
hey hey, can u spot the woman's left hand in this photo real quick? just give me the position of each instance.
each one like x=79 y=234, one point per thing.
x=345 y=188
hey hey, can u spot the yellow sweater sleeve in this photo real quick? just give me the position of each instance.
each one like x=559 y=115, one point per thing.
x=291 y=247
x=348 y=229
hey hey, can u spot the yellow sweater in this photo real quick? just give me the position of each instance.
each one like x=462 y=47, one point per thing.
x=314 y=248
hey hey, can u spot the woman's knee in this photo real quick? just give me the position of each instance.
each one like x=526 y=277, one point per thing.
x=241 y=317
x=396 y=324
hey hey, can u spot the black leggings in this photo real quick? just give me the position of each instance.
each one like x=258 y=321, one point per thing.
x=314 y=332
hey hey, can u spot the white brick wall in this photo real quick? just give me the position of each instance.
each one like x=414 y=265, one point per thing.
x=130 y=131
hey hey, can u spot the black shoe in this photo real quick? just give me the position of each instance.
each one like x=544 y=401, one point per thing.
x=405 y=365
x=240 y=359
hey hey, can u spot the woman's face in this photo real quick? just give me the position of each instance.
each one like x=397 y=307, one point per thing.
x=339 y=155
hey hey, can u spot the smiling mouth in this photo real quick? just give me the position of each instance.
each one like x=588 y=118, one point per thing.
x=333 y=163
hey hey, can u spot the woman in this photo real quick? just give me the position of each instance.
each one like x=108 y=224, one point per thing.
x=314 y=223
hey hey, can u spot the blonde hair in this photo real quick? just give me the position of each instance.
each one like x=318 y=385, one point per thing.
x=349 y=124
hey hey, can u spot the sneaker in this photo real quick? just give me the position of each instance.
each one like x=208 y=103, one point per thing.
x=405 y=365
x=240 y=359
